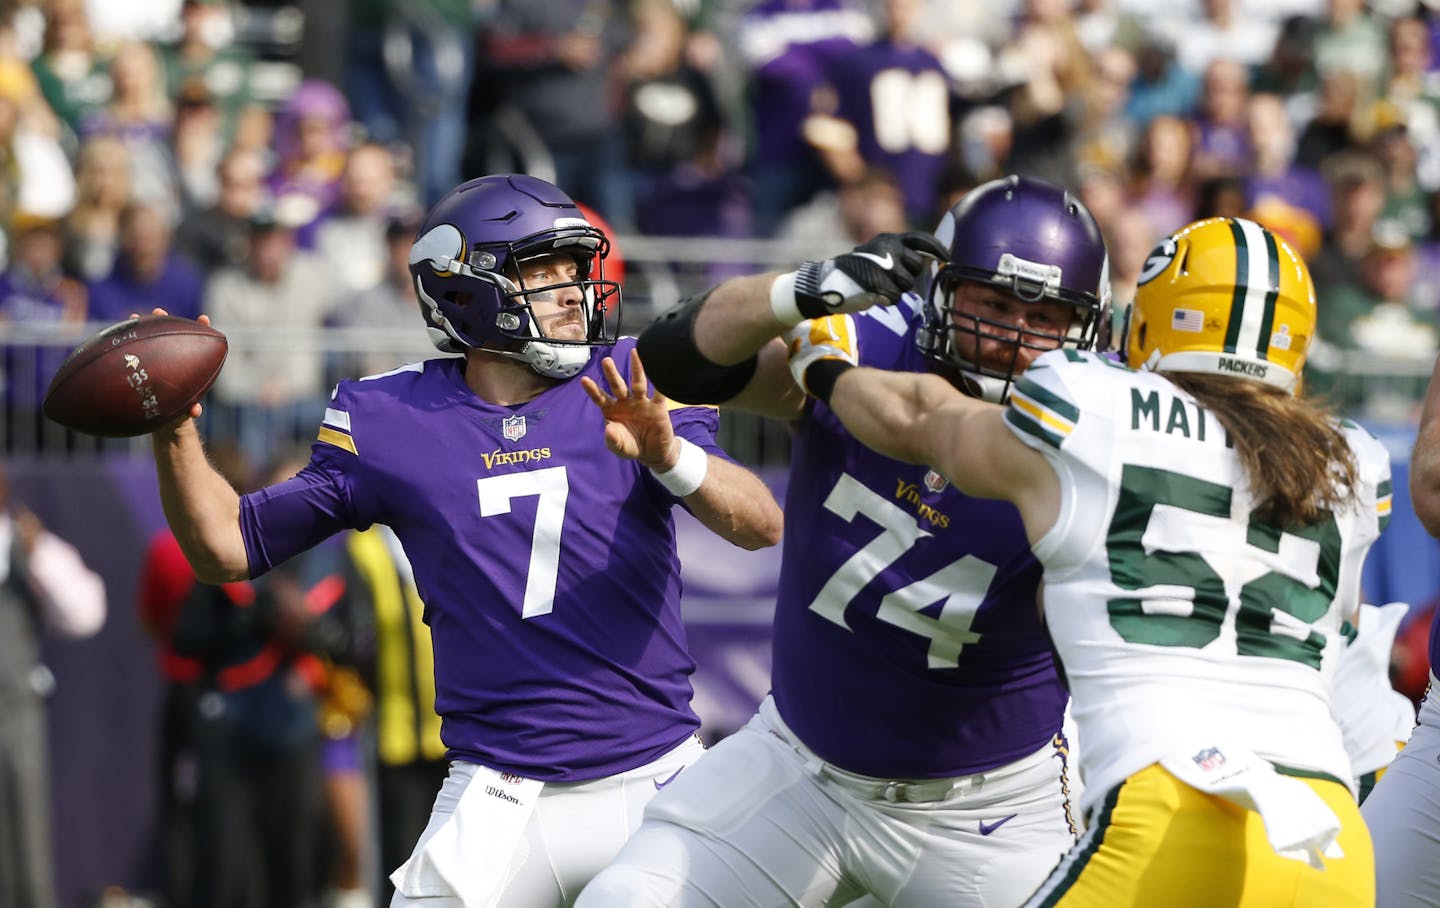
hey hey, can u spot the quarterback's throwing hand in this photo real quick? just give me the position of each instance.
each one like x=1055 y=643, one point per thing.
x=875 y=273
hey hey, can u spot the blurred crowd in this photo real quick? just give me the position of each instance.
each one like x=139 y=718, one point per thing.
x=206 y=155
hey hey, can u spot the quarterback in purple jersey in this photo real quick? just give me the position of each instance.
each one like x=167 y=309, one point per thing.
x=547 y=565
x=1403 y=810
x=912 y=747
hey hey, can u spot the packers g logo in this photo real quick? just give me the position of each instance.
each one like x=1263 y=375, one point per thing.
x=1158 y=260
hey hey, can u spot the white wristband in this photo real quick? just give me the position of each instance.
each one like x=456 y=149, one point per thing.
x=689 y=471
x=782 y=300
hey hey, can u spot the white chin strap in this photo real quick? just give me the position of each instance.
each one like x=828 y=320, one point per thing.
x=553 y=360
x=986 y=387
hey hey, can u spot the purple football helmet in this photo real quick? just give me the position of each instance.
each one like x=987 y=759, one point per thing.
x=1034 y=240
x=465 y=259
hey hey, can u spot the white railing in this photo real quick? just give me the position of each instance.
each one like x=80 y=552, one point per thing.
x=1374 y=388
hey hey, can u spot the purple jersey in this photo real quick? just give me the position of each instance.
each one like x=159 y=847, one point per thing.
x=547 y=565
x=908 y=641
x=898 y=100
x=780 y=41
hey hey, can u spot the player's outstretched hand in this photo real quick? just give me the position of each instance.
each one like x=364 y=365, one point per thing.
x=830 y=339
x=875 y=273
x=637 y=419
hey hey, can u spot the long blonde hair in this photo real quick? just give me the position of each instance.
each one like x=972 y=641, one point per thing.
x=1297 y=459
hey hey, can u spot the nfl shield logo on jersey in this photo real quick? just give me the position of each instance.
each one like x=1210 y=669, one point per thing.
x=513 y=427
x=1209 y=759
x=935 y=482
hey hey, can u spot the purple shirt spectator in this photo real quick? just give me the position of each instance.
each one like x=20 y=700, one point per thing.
x=178 y=288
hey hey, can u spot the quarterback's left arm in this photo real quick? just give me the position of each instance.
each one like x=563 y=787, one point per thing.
x=729 y=500
x=923 y=419
x=1425 y=462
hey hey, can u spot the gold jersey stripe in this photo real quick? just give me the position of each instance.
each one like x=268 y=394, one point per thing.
x=338 y=439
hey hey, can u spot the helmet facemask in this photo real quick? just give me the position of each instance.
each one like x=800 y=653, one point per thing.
x=954 y=336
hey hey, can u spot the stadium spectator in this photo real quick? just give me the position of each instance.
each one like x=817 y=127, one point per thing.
x=312 y=144
x=1054 y=72
x=141 y=116
x=1161 y=185
x=218 y=235
x=887 y=107
x=387 y=313
x=45 y=588
x=779 y=46
x=1162 y=87
x=1223 y=30
x=549 y=77
x=1274 y=172
x=1357 y=196
x=166 y=582
x=258 y=801
x=1104 y=137
x=1221 y=144
x=206 y=59
x=350 y=237
x=679 y=150
x=1406 y=202
x=102 y=190
x=147 y=269
x=1332 y=127
x=271 y=386
x=1289 y=71
x=1352 y=39
x=408 y=68
x=34 y=291
x=198 y=146
x=74 y=77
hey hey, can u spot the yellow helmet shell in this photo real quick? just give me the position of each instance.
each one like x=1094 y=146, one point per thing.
x=1224 y=296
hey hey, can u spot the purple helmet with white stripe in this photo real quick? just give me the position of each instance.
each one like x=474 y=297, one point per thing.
x=465 y=266
x=1033 y=240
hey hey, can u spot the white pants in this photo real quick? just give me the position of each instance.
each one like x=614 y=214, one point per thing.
x=1403 y=813
x=761 y=820
x=574 y=830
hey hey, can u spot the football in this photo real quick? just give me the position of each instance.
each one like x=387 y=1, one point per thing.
x=136 y=376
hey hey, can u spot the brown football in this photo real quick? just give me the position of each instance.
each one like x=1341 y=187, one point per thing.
x=136 y=376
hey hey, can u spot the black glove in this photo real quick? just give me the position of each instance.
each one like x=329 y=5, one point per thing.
x=875 y=273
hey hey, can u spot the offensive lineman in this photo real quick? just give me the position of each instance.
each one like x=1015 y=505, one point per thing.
x=912 y=748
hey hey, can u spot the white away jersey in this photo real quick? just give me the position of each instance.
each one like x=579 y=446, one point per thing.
x=1175 y=611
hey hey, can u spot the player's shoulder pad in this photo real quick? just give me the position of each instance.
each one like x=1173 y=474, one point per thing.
x=1372 y=464
x=351 y=398
x=1047 y=401
x=896 y=318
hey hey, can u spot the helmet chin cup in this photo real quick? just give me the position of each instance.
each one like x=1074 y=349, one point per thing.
x=555 y=360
